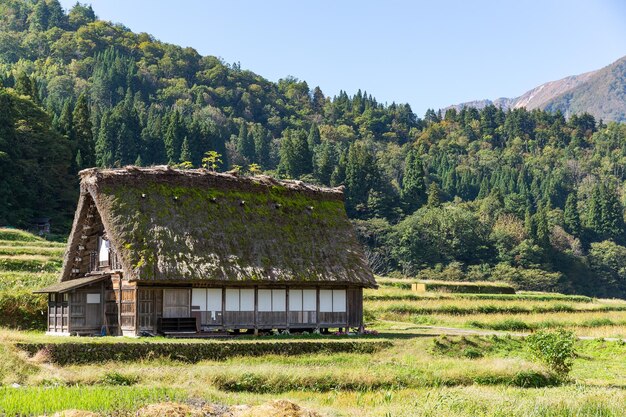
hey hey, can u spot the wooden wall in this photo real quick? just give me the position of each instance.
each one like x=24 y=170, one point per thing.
x=111 y=307
x=138 y=308
x=154 y=302
x=58 y=313
x=120 y=306
x=150 y=308
x=87 y=310
x=83 y=310
x=355 y=306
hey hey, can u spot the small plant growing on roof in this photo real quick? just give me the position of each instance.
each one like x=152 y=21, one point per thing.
x=555 y=349
x=211 y=160
x=254 y=169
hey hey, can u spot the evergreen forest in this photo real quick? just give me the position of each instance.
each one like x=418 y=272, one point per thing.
x=528 y=197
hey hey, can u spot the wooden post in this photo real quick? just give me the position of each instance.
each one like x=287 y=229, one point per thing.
x=224 y=308
x=104 y=310
x=119 y=305
x=256 y=310
x=317 y=308
x=286 y=307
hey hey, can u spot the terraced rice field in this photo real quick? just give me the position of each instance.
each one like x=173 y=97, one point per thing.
x=523 y=312
x=425 y=369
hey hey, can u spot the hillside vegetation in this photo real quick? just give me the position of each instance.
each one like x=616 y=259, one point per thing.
x=27 y=262
x=526 y=197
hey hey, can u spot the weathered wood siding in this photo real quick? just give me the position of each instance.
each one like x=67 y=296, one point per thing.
x=251 y=308
x=127 y=307
x=111 y=305
x=150 y=308
x=86 y=309
x=58 y=313
x=355 y=306
x=122 y=307
x=176 y=302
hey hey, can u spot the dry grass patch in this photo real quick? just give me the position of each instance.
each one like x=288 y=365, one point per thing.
x=74 y=413
x=169 y=409
x=277 y=408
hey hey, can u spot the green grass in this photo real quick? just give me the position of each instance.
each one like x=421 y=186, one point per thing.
x=14 y=368
x=386 y=294
x=75 y=353
x=465 y=307
x=54 y=252
x=18 y=235
x=398 y=381
x=33 y=244
x=419 y=375
x=474 y=287
x=491 y=309
x=16 y=280
x=40 y=400
x=29 y=263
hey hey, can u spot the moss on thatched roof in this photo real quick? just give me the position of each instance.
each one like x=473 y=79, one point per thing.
x=196 y=225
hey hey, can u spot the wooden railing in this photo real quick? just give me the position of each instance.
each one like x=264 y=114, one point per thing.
x=112 y=263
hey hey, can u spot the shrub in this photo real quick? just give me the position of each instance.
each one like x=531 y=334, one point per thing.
x=116 y=378
x=22 y=309
x=472 y=353
x=508 y=325
x=598 y=322
x=94 y=352
x=534 y=379
x=555 y=349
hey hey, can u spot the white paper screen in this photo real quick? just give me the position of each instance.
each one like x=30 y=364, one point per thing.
x=214 y=299
x=198 y=299
x=339 y=301
x=246 y=298
x=295 y=300
x=232 y=299
x=309 y=300
x=265 y=300
x=279 y=300
x=326 y=301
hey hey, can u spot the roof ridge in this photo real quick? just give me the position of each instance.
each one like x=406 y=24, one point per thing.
x=93 y=175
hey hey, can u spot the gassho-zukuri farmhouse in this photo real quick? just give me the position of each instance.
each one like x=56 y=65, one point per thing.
x=168 y=251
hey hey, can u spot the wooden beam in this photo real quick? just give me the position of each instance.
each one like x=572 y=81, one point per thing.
x=317 y=308
x=286 y=306
x=256 y=310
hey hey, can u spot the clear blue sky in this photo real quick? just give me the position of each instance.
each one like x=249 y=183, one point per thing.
x=425 y=53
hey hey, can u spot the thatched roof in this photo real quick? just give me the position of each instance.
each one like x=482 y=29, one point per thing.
x=196 y=225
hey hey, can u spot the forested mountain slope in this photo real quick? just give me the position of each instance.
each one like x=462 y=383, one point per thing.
x=525 y=196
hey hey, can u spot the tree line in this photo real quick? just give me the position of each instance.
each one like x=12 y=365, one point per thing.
x=530 y=197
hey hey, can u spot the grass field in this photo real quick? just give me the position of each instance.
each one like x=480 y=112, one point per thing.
x=428 y=369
